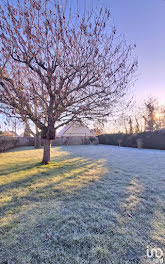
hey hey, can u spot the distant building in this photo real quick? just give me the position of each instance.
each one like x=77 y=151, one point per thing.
x=75 y=134
x=74 y=130
x=10 y=134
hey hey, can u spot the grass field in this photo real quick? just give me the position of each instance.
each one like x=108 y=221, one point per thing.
x=91 y=204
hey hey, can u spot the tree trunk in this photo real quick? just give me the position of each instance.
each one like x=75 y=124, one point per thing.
x=46 y=156
x=37 y=139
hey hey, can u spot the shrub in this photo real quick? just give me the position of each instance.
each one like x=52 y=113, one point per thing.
x=150 y=140
x=7 y=142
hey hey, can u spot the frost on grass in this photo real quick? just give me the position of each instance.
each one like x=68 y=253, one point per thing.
x=91 y=204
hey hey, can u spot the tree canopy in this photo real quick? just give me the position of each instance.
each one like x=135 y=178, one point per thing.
x=70 y=66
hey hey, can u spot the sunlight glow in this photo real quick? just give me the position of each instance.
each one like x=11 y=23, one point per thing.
x=157 y=115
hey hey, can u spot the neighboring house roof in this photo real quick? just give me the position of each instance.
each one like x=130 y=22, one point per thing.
x=75 y=129
x=10 y=134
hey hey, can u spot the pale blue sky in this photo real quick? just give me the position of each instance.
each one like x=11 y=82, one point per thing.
x=143 y=23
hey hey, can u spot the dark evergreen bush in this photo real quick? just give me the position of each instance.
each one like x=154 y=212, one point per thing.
x=150 y=140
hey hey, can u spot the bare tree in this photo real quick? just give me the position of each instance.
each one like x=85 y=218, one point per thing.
x=137 y=125
x=149 y=114
x=98 y=128
x=27 y=132
x=161 y=117
x=130 y=125
x=123 y=116
x=72 y=66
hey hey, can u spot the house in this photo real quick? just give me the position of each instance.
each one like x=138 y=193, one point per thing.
x=75 y=133
x=10 y=134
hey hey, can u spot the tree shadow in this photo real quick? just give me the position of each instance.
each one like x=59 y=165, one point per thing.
x=17 y=149
x=20 y=161
x=140 y=221
x=38 y=183
x=78 y=211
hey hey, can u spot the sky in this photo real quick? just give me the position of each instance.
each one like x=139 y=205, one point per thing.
x=143 y=23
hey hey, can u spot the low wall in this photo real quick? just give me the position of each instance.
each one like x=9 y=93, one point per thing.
x=74 y=141
x=13 y=142
x=147 y=140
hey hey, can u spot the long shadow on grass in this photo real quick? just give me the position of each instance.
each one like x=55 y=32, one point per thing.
x=102 y=217
x=43 y=171
x=18 y=168
x=17 y=149
x=24 y=165
x=50 y=182
x=141 y=209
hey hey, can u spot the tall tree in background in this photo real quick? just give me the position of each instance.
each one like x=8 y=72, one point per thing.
x=27 y=131
x=149 y=115
x=130 y=125
x=98 y=128
x=72 y=66
x=137 y=125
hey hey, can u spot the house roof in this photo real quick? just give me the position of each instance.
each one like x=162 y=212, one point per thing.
x=75 y=129
x=10 y=133
x=63 y=130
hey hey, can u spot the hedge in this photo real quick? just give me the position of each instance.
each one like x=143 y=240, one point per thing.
x=7 y=142
x=148 y=140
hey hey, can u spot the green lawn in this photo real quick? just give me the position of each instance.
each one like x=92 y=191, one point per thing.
x=91 y=204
